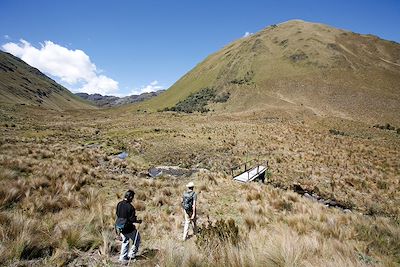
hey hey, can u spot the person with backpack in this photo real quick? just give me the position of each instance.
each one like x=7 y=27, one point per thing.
x=189 y=209
x=125 y=228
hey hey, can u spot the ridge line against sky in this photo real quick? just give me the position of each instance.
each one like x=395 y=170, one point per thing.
x=129 y=47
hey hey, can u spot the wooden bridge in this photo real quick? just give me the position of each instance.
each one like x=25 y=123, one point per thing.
x=253 y=170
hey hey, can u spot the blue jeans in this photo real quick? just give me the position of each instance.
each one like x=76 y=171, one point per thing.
x=135 y=237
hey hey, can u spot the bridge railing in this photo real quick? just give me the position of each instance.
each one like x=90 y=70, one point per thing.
x=248 y=165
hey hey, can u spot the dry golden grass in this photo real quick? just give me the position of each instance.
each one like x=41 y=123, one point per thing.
x=58 y=190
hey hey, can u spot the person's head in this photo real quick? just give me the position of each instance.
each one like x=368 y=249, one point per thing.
x=190 y=186
x=129 y=195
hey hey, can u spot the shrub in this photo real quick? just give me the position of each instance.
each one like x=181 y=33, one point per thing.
x=222 y=98
x=198 y=101
x=389 y=127
x=298 y=56
x=336 y=132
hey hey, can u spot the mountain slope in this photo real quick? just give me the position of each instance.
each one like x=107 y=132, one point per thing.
x=301 y=66
x=21 y=83
x=111 y=101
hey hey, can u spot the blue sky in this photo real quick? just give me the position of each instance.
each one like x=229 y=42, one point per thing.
x=132 y=46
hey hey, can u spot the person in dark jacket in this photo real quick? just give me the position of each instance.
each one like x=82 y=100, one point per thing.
x=126 y=217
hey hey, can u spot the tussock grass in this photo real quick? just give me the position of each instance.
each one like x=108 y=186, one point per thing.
x=58 y=195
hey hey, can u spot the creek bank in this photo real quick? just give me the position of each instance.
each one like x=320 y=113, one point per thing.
x=315 y=197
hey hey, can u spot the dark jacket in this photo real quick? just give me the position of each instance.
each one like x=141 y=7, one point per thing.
x=127 y=211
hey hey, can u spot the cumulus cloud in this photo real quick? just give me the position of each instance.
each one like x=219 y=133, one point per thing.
x=72 y=67
x=246 y=34
x=100 y=84
x=152 y=87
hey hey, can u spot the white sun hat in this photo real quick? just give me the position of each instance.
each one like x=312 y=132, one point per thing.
x=191 y=184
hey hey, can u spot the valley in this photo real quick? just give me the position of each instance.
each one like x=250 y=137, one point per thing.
x=321 y=105
x=61 y=179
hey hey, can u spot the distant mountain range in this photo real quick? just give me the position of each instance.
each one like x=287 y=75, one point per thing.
x=111 y=101
x=21 y=83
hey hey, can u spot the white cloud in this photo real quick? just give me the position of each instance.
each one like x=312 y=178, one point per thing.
x=72 y=67
x=7 y=37
x=247 y=34
x=100 y=84
x=152 y=87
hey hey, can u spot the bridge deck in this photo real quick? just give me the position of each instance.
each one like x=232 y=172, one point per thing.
x=250 y=175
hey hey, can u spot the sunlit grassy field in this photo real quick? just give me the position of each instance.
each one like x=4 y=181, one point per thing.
x=60 y=180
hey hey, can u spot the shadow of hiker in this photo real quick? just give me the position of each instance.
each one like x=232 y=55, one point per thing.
x=147 y=254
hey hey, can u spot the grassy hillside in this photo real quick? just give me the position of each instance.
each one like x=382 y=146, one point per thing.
x=23 y=84
x=300 y=66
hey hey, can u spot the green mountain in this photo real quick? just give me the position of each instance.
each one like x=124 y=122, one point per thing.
x=20 y=83
x=299 y=66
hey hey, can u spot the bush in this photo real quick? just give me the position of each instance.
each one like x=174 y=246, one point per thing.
x=298 y=56
x=245 y=80
x=388 y=127
x=336 y=132
x=198 y=101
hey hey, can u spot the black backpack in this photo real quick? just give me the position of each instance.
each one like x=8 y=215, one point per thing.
x=187 y=201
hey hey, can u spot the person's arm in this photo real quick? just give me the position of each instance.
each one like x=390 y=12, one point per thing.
x=194 y=210
x=194 y=206
x=117 y=209
x=133 y=217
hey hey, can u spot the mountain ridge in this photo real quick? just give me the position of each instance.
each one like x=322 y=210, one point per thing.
x=111 y=101
x=21 y=83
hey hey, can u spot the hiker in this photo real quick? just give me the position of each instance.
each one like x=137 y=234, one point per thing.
x=189 y=209
x=125 y=228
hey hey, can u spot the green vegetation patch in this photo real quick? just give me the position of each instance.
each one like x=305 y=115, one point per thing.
x=199 y=100
x=388 y=127
x=247 y=79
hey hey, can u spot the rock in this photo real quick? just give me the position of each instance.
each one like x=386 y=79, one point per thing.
x=174 y=171
x=155 y=172
x=307 y=195
x=332 y=203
